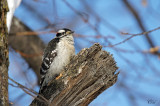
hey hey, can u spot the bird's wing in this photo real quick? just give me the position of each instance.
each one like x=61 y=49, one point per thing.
x=47 y=61
x=49 y=54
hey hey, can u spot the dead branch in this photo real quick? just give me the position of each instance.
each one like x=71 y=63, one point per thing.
x=133 y=35
x=30 y=45
x=31 y=33
x=139 y=21
x=28 y=91
x=142 y=33
x=88 y=74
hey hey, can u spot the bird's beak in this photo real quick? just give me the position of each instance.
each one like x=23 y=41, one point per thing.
x=72 y=31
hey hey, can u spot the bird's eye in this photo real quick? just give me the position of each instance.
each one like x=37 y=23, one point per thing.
x=58 y=34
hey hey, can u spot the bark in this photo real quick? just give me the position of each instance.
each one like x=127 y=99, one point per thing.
x=3 y=54
x=88 y=74
x=30 y=47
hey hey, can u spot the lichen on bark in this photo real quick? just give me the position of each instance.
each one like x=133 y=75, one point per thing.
x=4 y=63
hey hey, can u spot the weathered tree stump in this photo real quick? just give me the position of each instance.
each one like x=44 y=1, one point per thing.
x=88 y=74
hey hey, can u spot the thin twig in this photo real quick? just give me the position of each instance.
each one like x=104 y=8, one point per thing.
x=22 y=89
x=28 y=93
x=133 y=35
x=25 y=88
x=31 y=33
x=28 y=55
x=120 y=42
x=84 y=19
x=142 y=33
x=139 y=21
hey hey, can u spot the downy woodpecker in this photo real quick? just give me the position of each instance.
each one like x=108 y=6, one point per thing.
x=56 y=56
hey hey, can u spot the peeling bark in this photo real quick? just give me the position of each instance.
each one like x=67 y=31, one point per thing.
x=88 y=74
x=3 y=54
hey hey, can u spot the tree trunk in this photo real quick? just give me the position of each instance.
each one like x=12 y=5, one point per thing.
x=3 y=54
x=88 y=74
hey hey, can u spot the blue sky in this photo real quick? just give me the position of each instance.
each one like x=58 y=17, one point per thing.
x=137 y=72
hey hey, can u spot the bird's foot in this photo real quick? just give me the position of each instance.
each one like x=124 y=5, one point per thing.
x=60 y=75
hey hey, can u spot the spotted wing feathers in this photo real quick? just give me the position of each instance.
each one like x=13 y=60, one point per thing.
x=46 y=62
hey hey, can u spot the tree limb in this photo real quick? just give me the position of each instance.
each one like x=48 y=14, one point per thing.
x=27 y=90
x=29 y=47
x=133 y=35
x=4 y=63
x=139 y=21
x=88 y=74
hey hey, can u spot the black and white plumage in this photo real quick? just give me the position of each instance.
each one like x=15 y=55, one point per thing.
x=56 y=55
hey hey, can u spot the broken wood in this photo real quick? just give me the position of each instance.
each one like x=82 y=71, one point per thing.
x=88 y=74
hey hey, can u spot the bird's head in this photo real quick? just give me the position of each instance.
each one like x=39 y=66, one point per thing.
x=64 y=32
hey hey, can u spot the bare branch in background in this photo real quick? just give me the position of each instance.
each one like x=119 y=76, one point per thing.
x=139 y=21
x=29 y=91
x=30 y=33
x=27 y=46
x=98 y=18
x=85 y=19
x=133 y=35
x=142 y=33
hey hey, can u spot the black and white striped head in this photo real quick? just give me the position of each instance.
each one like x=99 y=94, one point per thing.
x=64 y=32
